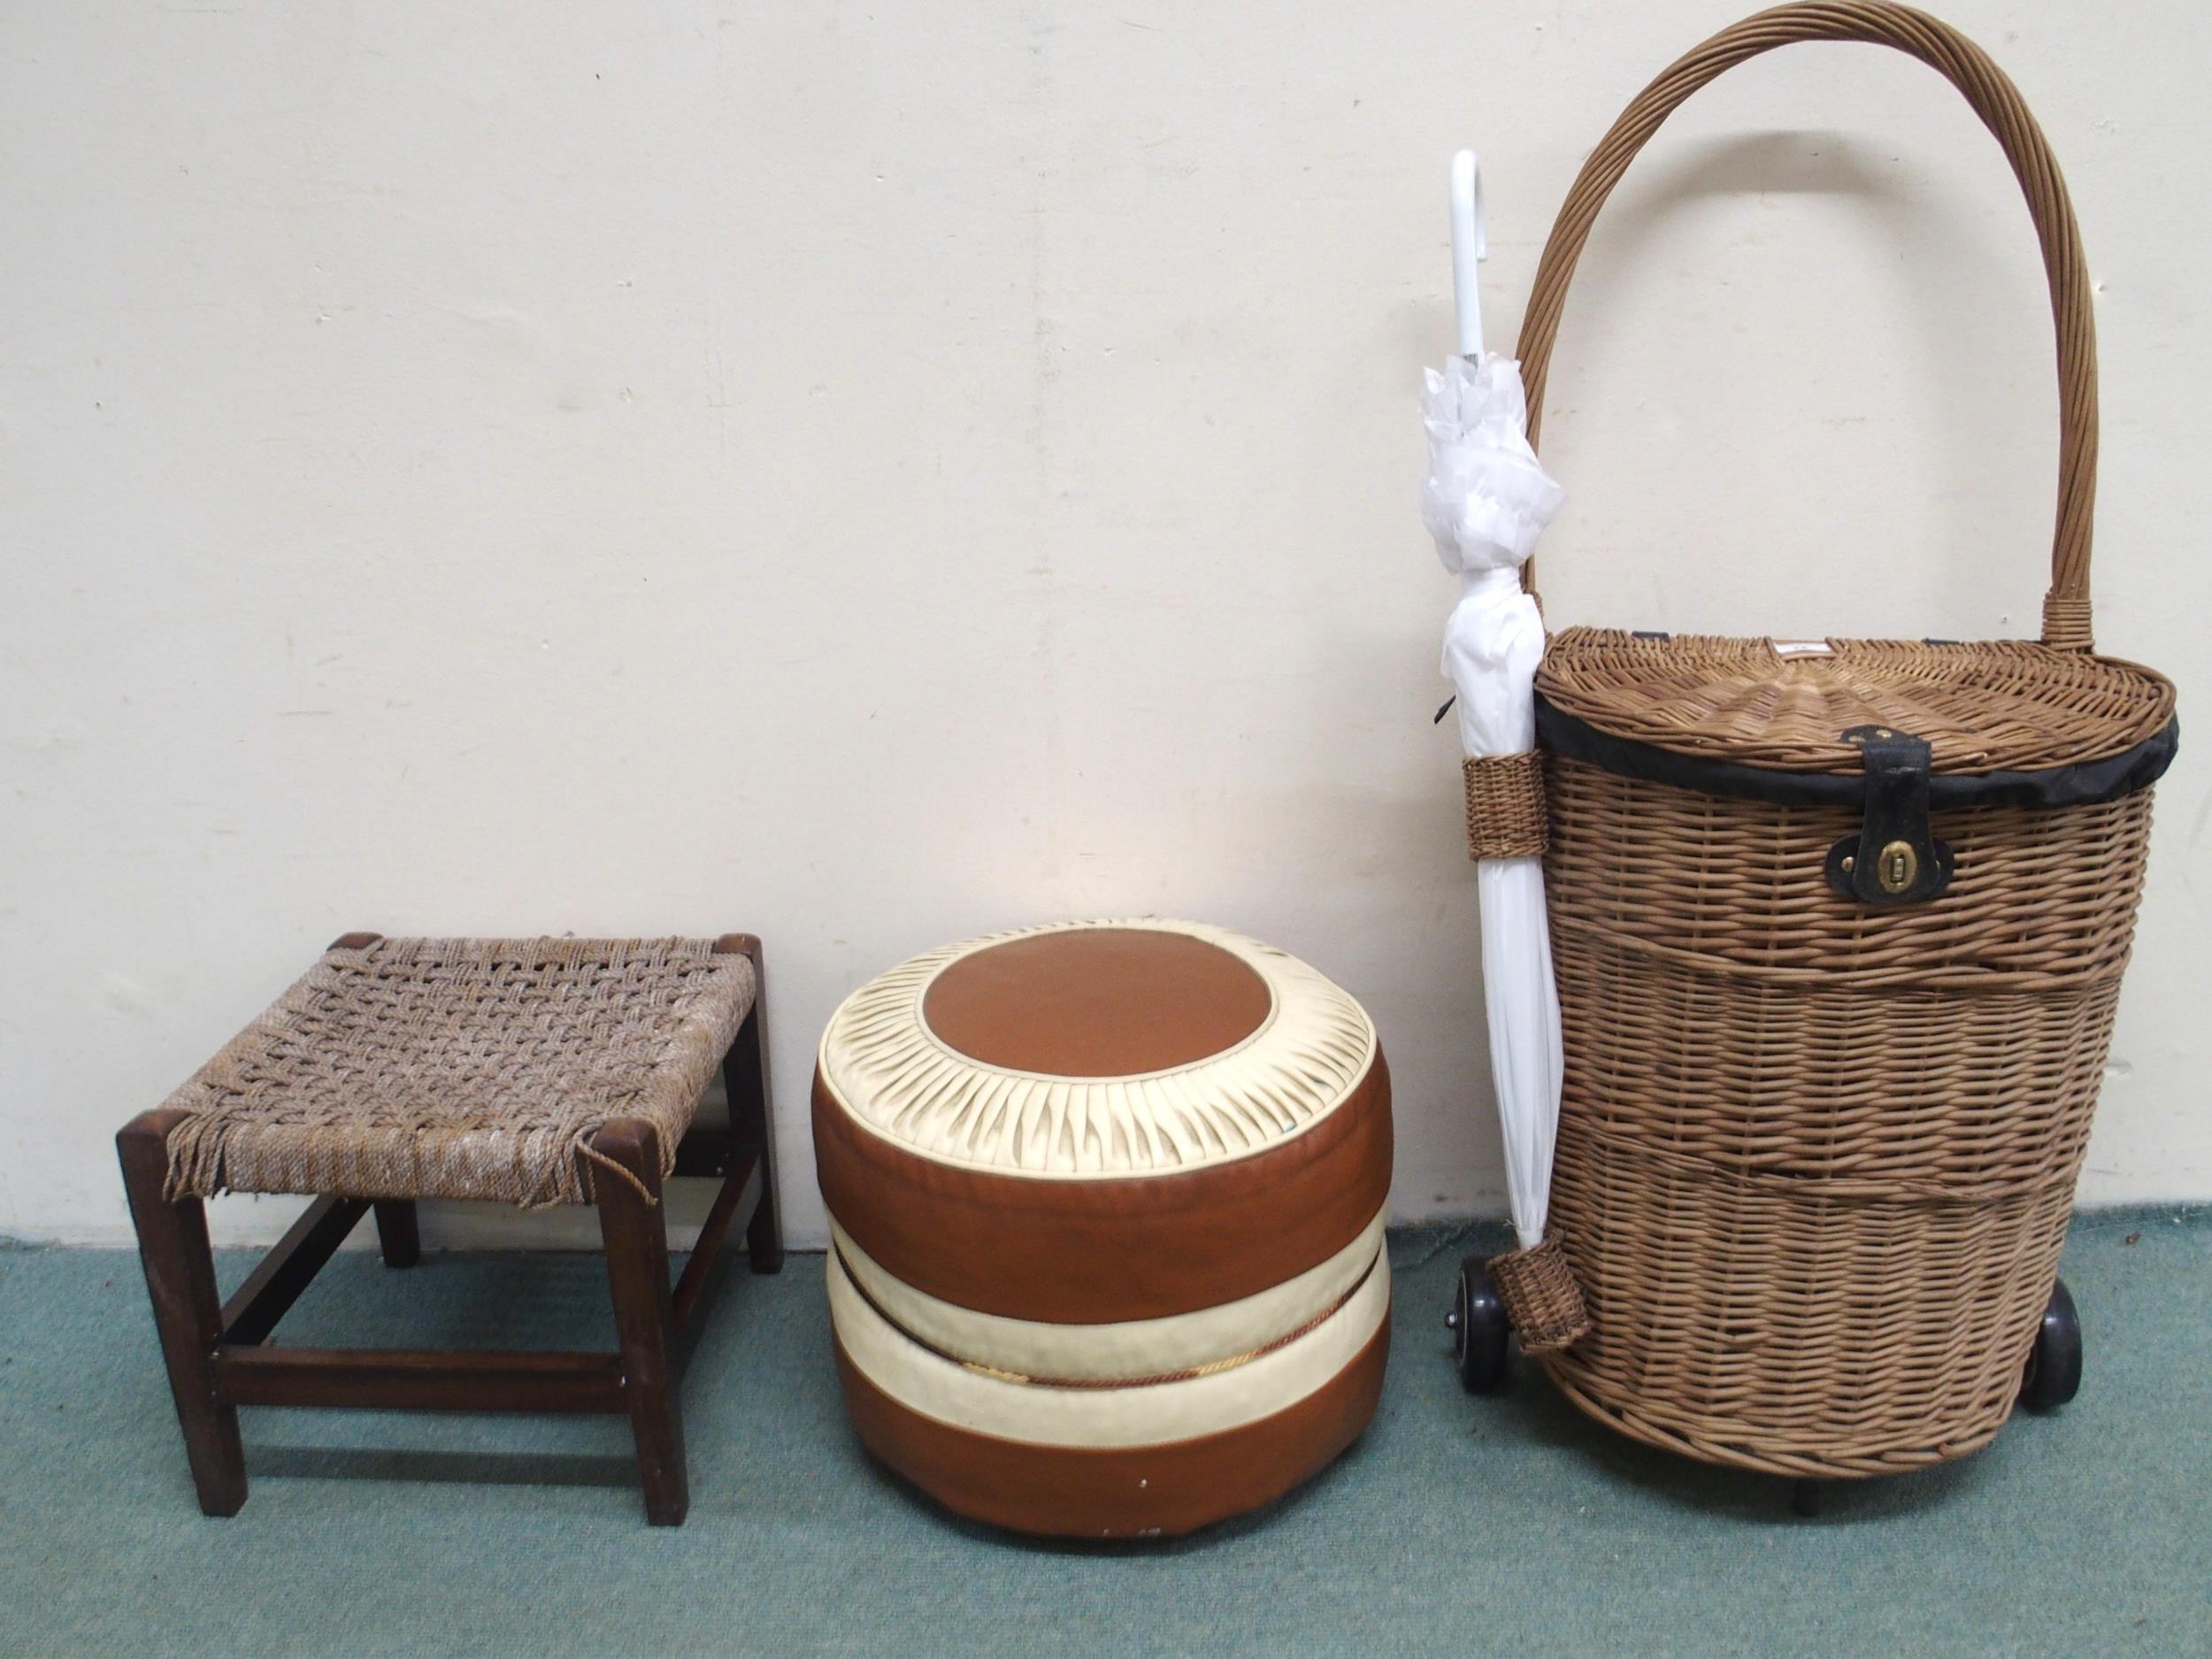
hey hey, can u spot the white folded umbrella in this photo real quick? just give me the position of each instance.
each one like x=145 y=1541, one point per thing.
x=1486 y=500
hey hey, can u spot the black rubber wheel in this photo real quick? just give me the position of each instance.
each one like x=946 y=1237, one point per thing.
x=1806 y=1495
x=2054 y=1373
x=1478 y=1330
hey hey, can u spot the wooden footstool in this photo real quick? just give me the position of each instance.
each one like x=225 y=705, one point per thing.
x=538 y=1071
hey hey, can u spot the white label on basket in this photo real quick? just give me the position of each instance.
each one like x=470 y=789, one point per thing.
x=1802 y=648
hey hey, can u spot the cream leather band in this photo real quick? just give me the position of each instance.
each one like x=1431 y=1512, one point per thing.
x=1142 y=1414
x=1137 y=1348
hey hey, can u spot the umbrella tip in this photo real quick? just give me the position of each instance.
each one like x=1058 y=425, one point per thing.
x=1470 y=248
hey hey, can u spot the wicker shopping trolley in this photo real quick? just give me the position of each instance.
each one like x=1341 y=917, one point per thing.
x=1839 y=929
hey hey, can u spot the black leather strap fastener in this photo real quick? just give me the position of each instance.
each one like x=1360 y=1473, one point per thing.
x=1895 y=857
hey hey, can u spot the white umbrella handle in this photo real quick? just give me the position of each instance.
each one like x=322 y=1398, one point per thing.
x=1468 y=250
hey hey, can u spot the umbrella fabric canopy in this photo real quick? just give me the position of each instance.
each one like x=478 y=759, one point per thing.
x=1486 y=500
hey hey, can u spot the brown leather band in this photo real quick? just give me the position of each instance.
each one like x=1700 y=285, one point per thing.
x=1096 y=1001
x=1096 y=1252
x=1122 y=1491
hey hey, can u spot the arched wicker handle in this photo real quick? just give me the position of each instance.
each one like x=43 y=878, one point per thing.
x=2066 y=621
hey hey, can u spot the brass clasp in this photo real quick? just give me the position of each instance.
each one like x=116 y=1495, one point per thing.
x=1899 y=866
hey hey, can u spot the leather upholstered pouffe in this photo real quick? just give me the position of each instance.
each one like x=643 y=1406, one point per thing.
x=1107 y=1204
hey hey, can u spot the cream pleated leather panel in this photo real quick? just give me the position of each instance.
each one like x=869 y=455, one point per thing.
x=882 y=1063
x=1144 y=1414
x=1114 y=1352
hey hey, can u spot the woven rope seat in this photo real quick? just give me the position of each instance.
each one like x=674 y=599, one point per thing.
x=1107 y=1207
x=461 y=1068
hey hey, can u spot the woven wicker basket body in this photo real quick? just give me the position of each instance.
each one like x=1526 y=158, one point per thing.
x=1815 y=1162
x=1818 y=1149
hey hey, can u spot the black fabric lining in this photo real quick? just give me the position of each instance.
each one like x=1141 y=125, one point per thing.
x=2083 y=784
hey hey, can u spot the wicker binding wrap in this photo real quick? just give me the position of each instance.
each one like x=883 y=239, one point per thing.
x=1541 y=1297
x=1505 y=805
x=1818 y=1145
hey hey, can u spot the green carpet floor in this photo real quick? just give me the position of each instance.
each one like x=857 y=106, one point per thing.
x=1505 y=1526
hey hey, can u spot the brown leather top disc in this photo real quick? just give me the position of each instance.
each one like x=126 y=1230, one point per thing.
x=1097 y=1001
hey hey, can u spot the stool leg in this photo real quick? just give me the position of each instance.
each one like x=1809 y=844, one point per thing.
x=398 y=1232
x=745 y=1080
x=188 y=1311
x=635 y=1228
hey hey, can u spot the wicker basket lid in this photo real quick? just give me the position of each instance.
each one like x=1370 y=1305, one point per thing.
x=2003 y=706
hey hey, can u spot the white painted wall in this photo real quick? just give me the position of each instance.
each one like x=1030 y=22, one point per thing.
x=871 y=475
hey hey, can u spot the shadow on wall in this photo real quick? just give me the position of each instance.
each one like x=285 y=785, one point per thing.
x=1946 y=264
